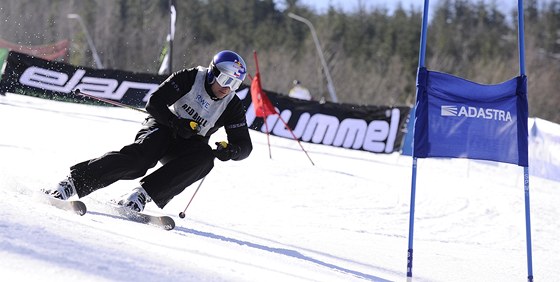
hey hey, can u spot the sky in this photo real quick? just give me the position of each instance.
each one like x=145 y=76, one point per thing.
x=265 y=219
x=350 y=5
x=322 y=6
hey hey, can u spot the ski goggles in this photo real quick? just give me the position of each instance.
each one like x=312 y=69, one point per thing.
x=225 y=80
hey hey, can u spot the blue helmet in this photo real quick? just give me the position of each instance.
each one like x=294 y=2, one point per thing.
x=228 y=69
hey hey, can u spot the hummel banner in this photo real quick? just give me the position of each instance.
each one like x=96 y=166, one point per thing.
x=462 y=119
x=377 y=129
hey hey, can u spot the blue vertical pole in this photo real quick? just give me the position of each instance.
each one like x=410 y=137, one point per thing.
x=423 y=34
x=411 y=219
x=421 y=63
x=521 y=41
x=521 y=35
x=528 y=225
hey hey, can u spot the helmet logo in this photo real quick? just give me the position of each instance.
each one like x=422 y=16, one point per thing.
x=240 y=69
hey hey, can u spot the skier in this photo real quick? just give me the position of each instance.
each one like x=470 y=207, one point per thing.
x=185 y=110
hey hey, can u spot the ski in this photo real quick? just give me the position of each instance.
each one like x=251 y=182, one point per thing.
x=75 y=206
x=161 y=221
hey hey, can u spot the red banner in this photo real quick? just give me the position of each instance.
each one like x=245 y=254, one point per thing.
x=51 y=52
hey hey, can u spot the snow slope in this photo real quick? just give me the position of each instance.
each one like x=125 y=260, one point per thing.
x=262 y=219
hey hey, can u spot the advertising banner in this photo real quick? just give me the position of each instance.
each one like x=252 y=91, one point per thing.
x=3 y=55
x=51 y=52
x=544 y=149
x=462 y=119
x=33 y=76
x=378 y=129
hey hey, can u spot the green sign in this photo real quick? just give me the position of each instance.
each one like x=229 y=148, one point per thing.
x=3 y=55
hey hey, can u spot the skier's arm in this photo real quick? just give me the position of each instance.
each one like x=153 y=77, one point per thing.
x=237 y=131
x=168 y=93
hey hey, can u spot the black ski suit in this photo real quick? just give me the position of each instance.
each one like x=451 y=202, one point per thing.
x=184 y=161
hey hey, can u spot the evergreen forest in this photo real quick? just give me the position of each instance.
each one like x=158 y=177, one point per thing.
x=371 y=52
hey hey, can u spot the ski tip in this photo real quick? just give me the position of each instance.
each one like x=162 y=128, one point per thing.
x=76 y=206
x=168 y=223
x=80 y=208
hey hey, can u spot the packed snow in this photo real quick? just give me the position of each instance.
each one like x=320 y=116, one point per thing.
x=345 y=218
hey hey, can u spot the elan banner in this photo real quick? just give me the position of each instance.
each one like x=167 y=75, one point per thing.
x=378 y=129
x=33 y=76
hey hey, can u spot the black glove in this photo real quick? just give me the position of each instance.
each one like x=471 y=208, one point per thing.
x=225 y=151
x=185 y=128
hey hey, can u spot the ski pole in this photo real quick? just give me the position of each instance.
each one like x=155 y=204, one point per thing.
x=114 y=103
x=182 y=214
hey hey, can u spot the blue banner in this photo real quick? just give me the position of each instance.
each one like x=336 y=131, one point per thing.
x=462 y=119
